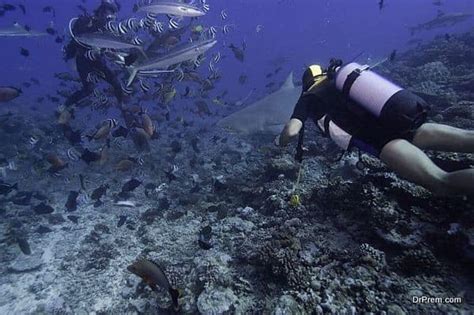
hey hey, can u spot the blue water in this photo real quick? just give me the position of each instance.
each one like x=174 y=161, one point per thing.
x=286 y=34
x=299 y=31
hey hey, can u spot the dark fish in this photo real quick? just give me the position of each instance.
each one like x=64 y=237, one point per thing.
x=26 y=84
x=74 y=137
x=8 y=7
x=24 y=52
x=57 y=164
x=54 y=99
x=39 y=196
x=73 y=218
x=43 y=208
x=204 y=239
x=22 y=8
x=98 y=193
x=131 y=185
x=122 y=220
x=81 y=179
x=278 y=69
x=24 y=245
x=170 y=175
x=269 y=75
x=381 y=4
x=59 y=39
x=447 y=37
x=22 y=198
x=393 y=55
x=51 y=31
x=242 y=79
x=140 y=139
x=8 y=93
x=153 y=275
x=50 y=9
x=269 y=85
x=5 y=188
x=120 y=132
x=175 y=146
x=89 y=156
x=43 y=229
x=71 y=203
x=194 y=145
x=238 y=53
x=149 y=188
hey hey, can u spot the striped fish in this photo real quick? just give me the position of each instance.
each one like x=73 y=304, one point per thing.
x=126 y=90
x=226 y=29
x=205 y=6
x=180 y=75
x=217 y=57
x=33 y=140
x=211 y=67
x=223 y=14
x=110 y=122
x=122 y=27
x=212 y=32
x=104 y=100
x=133 y=24
x=96 y=93
x=112 y=27
x=173 y=24
x=92 y=78
x=91 y=55
x=73 y=155
x=137 y=41
x=145 y=88
x=158 y=27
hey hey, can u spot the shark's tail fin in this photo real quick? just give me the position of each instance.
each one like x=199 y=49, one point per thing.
x=142 y=51
x=133 y=75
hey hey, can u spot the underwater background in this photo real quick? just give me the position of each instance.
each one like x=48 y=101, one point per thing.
x=211 y=209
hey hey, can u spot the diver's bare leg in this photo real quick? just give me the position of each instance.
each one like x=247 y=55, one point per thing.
x=411 y=163
x=445 y=138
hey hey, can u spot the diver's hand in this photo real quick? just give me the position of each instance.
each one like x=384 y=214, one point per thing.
x=276 y=142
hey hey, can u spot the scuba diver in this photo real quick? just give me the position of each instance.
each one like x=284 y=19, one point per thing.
x=88 y=66
x=357 y=108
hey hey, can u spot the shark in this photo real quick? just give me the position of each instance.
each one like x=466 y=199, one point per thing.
x=266 y=116
x=17 y=30
x=161 y=63
x=442 y=20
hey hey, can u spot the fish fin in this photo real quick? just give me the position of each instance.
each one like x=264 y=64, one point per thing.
x=152 y=286
x=142 y=51
x=98 y=203
x=288 y=84
x=175 y=295
x=130 y=59
x=133 y=75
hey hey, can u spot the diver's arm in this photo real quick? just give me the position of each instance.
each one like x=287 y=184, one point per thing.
x=292 y=128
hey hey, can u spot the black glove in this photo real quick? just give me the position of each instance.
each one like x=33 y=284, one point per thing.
x=333 y=65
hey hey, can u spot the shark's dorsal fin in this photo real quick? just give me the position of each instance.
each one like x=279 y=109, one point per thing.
x=288 y=84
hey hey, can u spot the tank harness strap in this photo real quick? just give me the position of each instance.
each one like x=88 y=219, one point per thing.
x=327 y=120
x=351 y=78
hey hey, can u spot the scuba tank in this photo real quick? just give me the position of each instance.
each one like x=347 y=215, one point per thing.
x=368 y=89
x=394 y=107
